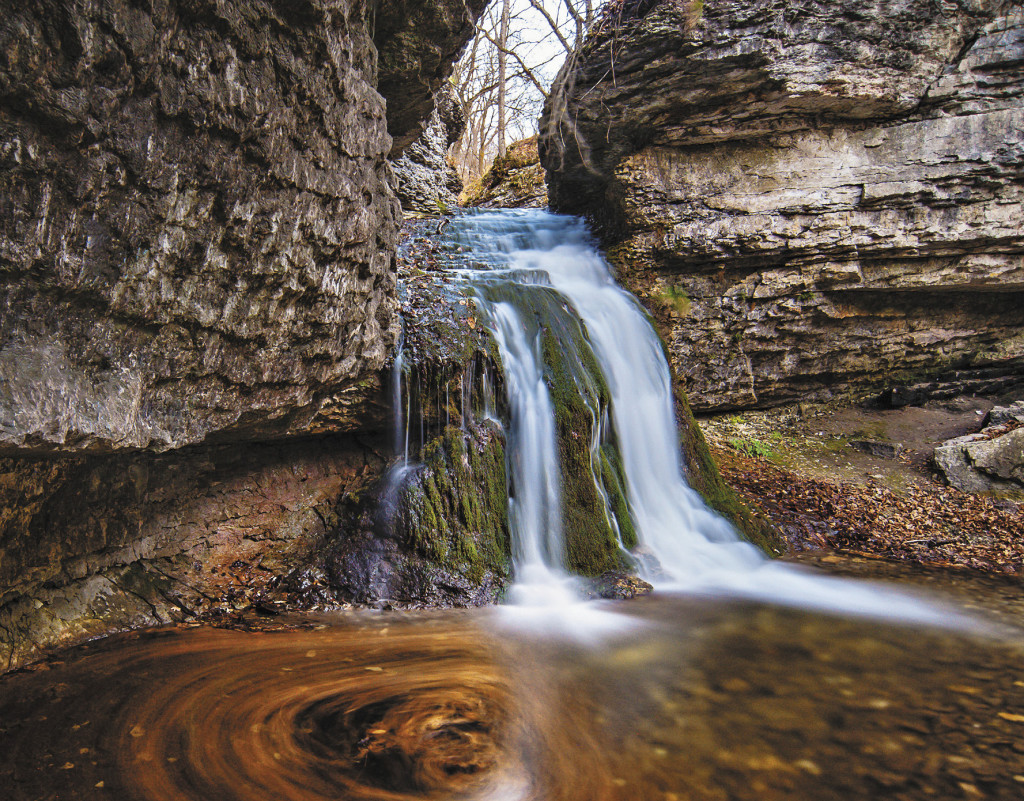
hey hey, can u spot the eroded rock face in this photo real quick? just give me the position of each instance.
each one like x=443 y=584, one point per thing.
x=94 y=545
x=419 y=42
x=424 y=180
x=812 y=197
x=197 y=230
x=197 y=293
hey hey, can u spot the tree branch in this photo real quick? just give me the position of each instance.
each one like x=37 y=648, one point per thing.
x=539 y=6
x=526 y=70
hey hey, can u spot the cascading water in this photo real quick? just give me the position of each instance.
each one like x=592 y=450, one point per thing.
x=522 y=263
x=673 y=522
x=516 y=257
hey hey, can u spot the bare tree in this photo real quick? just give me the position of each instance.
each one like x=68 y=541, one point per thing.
x=504 y=75
x=502 y=46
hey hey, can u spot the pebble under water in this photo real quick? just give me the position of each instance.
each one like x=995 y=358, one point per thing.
x=696 y=700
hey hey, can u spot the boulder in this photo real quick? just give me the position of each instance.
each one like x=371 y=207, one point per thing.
x=619 y=586
x=985 y=463
x=1000 y=415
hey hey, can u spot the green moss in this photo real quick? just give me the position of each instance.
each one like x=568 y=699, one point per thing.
x=613 y=478
x=751 y=446
x=580 y=396
x=454 y=511
x=675 y=298
x=594 y=511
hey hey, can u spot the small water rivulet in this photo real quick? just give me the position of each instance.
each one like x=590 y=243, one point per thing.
x=698 y=695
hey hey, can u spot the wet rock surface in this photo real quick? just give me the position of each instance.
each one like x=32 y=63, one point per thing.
x=437 y=533
x=619 y=586
x=811 y=197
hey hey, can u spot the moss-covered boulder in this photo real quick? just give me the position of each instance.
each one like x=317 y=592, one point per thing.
x=596 y=524
x=432 y=533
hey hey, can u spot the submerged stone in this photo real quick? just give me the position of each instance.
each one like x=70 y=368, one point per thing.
x=616 y=585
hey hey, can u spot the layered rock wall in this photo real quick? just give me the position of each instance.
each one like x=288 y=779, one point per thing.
x=197 y=233
x=812 y=197
x=91 y=546
x=197 y=291
x=424 y=180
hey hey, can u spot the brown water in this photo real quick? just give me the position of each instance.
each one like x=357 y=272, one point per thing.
x=701 y=700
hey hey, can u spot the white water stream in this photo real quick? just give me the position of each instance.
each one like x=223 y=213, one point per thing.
x=694 y=549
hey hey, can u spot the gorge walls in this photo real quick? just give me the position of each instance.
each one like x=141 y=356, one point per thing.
x=812 y=197
x=197 y=290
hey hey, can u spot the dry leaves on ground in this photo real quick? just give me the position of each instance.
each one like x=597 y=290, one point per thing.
x=930 y=524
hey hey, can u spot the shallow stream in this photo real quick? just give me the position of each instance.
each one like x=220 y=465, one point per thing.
x=739 y=678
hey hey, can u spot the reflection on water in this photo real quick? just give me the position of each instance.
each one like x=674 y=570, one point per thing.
x=705 y=701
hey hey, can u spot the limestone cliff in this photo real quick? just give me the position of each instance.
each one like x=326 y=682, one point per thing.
x=811 y=196
x=197 y=291
x=424 y=180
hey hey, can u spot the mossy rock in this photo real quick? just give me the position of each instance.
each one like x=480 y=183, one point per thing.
x=454 y=511
x=596 y=525
x=513 y=180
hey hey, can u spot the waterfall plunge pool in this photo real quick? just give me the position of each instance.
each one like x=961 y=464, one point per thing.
x=695 y=699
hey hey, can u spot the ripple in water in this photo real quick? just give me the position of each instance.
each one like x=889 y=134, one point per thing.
x=698 y=701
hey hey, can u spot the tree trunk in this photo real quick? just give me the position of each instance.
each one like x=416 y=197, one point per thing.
x=502 y=62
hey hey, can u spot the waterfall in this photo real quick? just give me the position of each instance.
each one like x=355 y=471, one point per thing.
x=563 y=327
x=518 y=261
